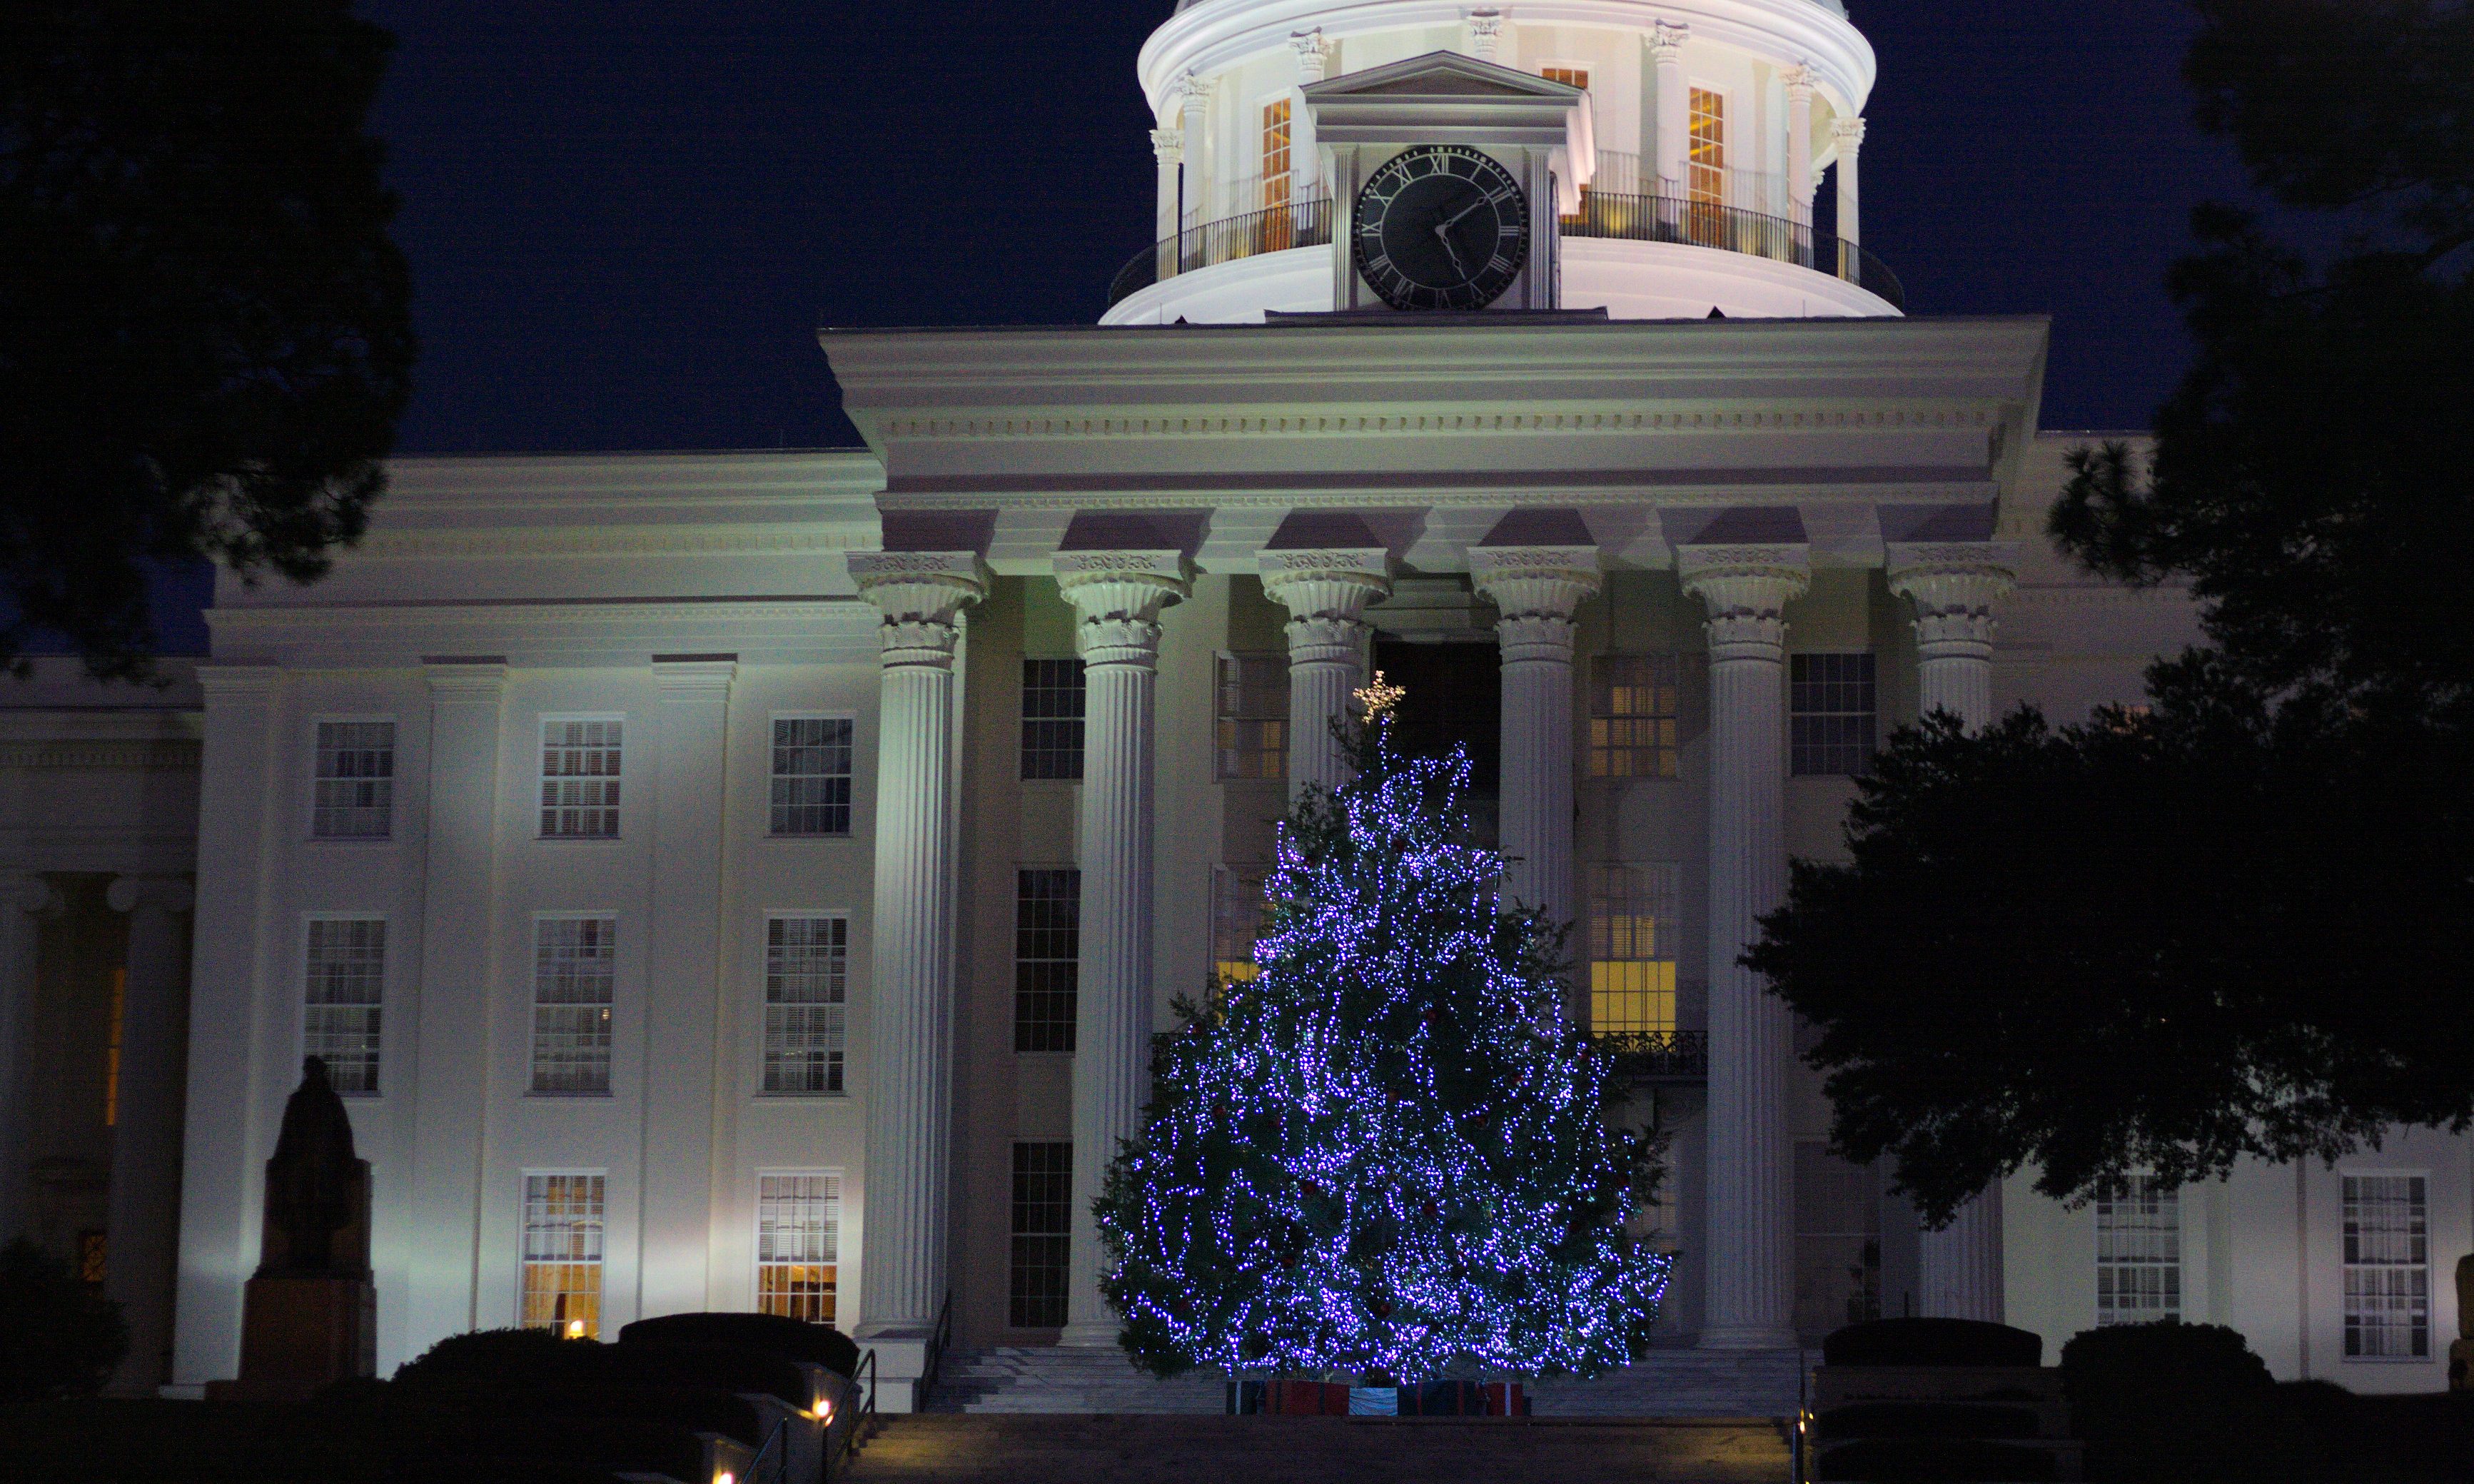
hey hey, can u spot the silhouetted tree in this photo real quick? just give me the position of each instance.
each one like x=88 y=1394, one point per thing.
x=204 y=329
x=2160 y=942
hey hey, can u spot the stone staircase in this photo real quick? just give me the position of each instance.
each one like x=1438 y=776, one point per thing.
x=984 y=1449
x=1666 y=1383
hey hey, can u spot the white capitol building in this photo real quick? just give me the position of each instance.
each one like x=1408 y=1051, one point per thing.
x=750 y=880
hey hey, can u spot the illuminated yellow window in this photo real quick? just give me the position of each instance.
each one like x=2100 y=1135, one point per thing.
x=1705 y=168
x=1569 y=77
x=1634 y=700
x=562 y=1223
x=1631 y=949
x=111 y=1049
x=798 y=1245
x=1254 y=716
x=1236 y=920
x=1275 y=154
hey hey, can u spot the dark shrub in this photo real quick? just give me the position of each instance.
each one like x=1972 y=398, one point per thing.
x=1932 y=1341
x=58 y=1337
x=1928 y=1419
x=507 y=1357
x=791 y=1339
x=2173 y=1401
x=530 y=1358
x=1935 y=1460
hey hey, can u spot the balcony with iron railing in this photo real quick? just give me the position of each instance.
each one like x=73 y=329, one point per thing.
x=1606 y=215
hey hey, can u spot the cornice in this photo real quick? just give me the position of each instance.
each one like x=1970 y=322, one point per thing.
x=604 y=539
x=1346 y=425
x=180 y=753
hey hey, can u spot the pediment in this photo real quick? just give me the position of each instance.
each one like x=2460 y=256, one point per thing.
x=1442 y=75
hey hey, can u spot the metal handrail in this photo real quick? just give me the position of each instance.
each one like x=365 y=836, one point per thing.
x=1302 y=222
x=1662 y=218
x=935 y=1359
x=861 y=1419
x=1604 y=215
x=779 y=1451
x=1676 y=1055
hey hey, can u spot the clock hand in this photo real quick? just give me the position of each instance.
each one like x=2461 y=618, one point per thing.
x=1442 y=231
x=1454 y=219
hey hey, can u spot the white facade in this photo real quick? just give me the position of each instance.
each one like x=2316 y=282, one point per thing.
x=840 y=824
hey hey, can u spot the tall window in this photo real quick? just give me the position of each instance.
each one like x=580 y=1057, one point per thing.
x=807 y=981
x=574 y=963
x=1632 y=938
x=1829 y=713
x=811 y=776
x=1253 y=736
x=1634 y=700
x=563 y=1218
x=579 y=787
x=1052 y=718
x=798 y=1245
x=1706 y=162
x=2387 y=1268
x=1236 y=919
x=355 y=794
x=1047 y=957
x=1043 y=1223
x=343 y=985
x=2139 y=1253
x=1275 y=154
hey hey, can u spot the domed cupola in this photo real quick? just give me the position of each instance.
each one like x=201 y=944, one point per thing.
x=1653 y=160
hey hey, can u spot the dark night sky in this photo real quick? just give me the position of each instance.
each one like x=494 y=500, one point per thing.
x=626 y=219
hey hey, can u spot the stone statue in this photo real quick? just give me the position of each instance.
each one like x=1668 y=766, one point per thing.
x=315 y=1189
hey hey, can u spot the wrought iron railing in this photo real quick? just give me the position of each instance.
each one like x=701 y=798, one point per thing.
x=1655 y=218
x=1305 y=223
x=1658 y=1056
x=1628 y=218
x=856 y=1416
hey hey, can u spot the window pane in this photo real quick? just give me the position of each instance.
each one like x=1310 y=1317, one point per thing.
x=344 y=985
x=1043 y=1211
x=807 y=963
x=1047 y=958
x=1831 y=713
x=1632 y=941
x=811 y=776
x=1236 y=920
x=1052 y=718
x=1634 y=703
x=798 y=1236
x=2139 y=1253
x=1253 y=714
x=2388 y=1267
x=579 y=789
x=562 y=1223
x=1706 y=132
x=355 y=797
x=574 y=963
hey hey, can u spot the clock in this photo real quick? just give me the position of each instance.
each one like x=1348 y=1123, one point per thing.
x=1441 y=227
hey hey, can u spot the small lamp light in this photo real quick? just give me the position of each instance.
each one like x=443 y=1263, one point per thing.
x=725 y=1477
x=575 y=1329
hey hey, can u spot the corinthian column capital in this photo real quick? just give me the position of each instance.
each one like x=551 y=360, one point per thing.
x=1955 y=587
x=1667 y=42
x=1312 y=55
x=1486 y=32
x=1168 y=145
x=1746 y=589
x=1119 y=595
x=1536 y=592
x=1849 y=131
x=1799 y=80
x=919 y=594
x=1326 y=592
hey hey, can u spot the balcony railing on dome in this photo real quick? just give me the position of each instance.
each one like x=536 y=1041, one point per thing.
x=1657 y=1056
x=1304 y=223
x=1730 y=228
x=1650 y=218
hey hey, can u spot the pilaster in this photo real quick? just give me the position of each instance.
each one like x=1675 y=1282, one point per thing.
x=1118 y=597
x=1327 y=593
x=1751 y=1243
x=138 y=1264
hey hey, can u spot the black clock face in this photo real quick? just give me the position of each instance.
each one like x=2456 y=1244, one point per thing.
x=1441 y=227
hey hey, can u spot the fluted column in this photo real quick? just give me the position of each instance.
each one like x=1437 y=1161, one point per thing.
x=1117 y=596
x=25 y=900
x=1193 y=97
x=920 y=596
x=1327 y=593
x=1751 y=1191
x=1955 y=586
x=1674 y=105
x=146 y=1140
x=1306 y=156
x=1168 y=148
x=1536 y=591
x=1849 y=132
x=1798 y=145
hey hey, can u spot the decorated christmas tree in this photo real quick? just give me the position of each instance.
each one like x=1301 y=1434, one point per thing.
x=1387 y=1154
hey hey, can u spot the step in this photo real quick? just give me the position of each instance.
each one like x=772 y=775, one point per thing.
x=931 y=1449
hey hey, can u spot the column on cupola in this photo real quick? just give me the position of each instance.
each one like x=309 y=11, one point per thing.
x=1849 y=134
x=920 y=597
x=1955 y=587
x=1305 y=156
x=1117 y=596
x=1798 y=145
x=1326 y=591
x=1484 y=33
x=25 y=899
x=1674 y=121
x=1536 y=591
x=1750 y=1302
x=146 y=1134
x=1168 y=148
x=1193 y=95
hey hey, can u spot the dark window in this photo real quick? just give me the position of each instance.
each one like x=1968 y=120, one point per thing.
x=1047 y=958
x=811 y=776
x=1052 y=718
x=1043 y=1217
x=1829 y=713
